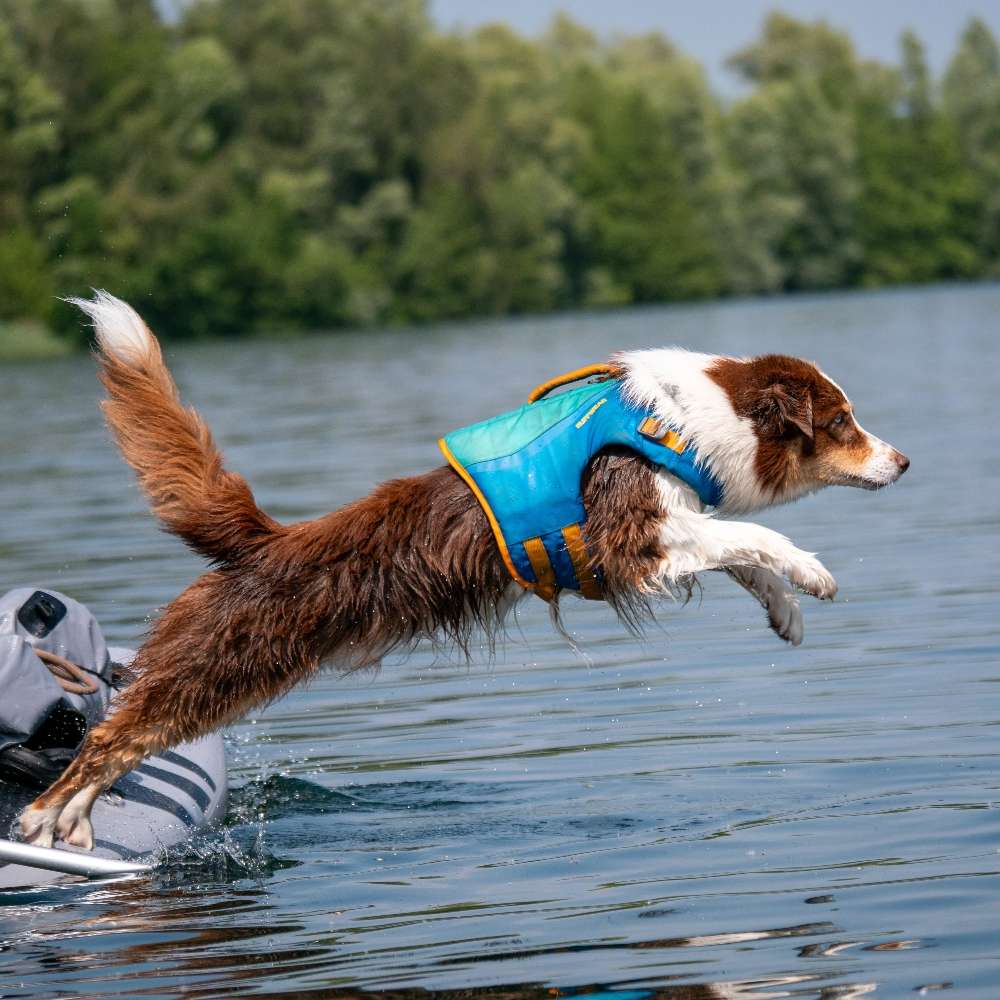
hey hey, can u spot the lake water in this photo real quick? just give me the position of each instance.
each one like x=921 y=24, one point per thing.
x=704 y=813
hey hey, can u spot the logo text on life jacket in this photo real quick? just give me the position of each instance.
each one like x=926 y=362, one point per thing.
x=590 y=412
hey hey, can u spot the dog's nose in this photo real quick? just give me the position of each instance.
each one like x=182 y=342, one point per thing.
x=901 y=460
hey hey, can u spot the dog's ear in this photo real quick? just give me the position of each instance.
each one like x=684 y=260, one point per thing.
x=783 y=405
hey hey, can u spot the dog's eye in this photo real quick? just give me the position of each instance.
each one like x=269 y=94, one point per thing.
x=838 y=420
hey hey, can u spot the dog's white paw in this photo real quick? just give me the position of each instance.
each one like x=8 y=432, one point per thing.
x=73 y=825
x=38 y=826
x=77 y=831
x=811 y=576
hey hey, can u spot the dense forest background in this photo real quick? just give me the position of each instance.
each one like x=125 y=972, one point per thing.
x=293 y=164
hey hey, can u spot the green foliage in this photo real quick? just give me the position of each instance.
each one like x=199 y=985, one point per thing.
x=25 y=281
x=972 y=104
x=643 y=226
x=918 y=206
x=300 y=164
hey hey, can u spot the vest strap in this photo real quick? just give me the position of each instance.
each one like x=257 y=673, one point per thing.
x=656 y=430
x=577 y=549
x=574 y=376
x=545 y=575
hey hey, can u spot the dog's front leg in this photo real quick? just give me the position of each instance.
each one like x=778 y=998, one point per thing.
x=694 y=542
x=778 y=599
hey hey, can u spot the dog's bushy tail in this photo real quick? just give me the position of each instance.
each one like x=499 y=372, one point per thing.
x=168 y=444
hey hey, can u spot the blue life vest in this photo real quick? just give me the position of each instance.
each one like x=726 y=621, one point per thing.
x=525 y=468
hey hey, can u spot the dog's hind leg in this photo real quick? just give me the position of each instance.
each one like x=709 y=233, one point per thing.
x=112 y=749
x=207 y=662
x=142 y=726
x=64 y=809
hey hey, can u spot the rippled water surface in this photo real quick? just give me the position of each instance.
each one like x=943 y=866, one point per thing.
x=702 y=813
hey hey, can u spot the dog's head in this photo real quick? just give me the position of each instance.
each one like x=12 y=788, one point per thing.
x=772 y=428
x=807 y=435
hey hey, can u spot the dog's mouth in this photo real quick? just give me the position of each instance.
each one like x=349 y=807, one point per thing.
x=865 y=483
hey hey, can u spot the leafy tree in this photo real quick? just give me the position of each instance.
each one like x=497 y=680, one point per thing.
x=29 y=139
x=972 y=101
x=794 y=139
x=639 y=216
x=917 y=207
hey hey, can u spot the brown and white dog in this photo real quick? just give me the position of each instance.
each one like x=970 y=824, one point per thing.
x=416 y=558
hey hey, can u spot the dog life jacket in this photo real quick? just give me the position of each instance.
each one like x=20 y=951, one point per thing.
x=525 y=469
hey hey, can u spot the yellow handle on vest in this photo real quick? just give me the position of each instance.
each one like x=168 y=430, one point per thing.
x=574 y=376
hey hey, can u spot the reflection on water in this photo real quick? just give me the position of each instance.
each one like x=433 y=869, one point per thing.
x=700 y=814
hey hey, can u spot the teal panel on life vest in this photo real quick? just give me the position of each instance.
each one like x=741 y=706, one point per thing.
x=512 y=431
x=527 y=467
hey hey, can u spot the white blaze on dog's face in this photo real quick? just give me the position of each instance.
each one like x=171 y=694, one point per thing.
x=771 y=429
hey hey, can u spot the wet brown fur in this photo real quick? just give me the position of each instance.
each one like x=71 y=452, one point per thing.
x=414 y=559
x=624 y=520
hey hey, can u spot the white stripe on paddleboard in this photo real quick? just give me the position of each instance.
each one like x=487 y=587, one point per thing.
x=64 y=861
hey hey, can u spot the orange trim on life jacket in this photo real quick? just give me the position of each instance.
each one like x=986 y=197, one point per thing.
x=574 y=376
x=490 y=516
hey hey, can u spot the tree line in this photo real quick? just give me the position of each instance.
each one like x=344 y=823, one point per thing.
x=282 y=164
